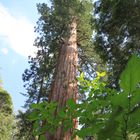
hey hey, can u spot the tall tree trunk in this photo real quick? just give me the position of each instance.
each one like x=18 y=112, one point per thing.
x=64 y=85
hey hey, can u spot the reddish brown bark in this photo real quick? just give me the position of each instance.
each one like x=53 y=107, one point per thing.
x=64 y=86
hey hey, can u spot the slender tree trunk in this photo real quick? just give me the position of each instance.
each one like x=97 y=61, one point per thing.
x=64 y=86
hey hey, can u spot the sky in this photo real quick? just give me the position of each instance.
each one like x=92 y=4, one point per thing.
x=17 y=21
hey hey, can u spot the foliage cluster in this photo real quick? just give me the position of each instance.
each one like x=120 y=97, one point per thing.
x=116 y=33
x=6 y=116
x=104 y=113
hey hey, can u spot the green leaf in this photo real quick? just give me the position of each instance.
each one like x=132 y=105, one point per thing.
x=81 y=78
x=34 y=116
x=135 y=97
x=131 y=75
x=62 y=113
x=102 y=74
x=67 y=124
x=36 y=125
x=71 y=104
x=33 y=106
x=42 y=137
x=120 y=100
x=85 y=132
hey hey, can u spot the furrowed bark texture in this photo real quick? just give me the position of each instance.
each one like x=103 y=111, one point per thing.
x=64 y=86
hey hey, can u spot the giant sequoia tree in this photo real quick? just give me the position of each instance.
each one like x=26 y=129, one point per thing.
x=65 y=33
x=65 y=46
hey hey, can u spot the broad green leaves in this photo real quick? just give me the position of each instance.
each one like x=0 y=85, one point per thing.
x=115 y=117
x=125 y=104
x=130 y=77
x=105 y=113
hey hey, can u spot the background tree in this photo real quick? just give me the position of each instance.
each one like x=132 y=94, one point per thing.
x=117 y=33
x=6 y=116
x=24 y=127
